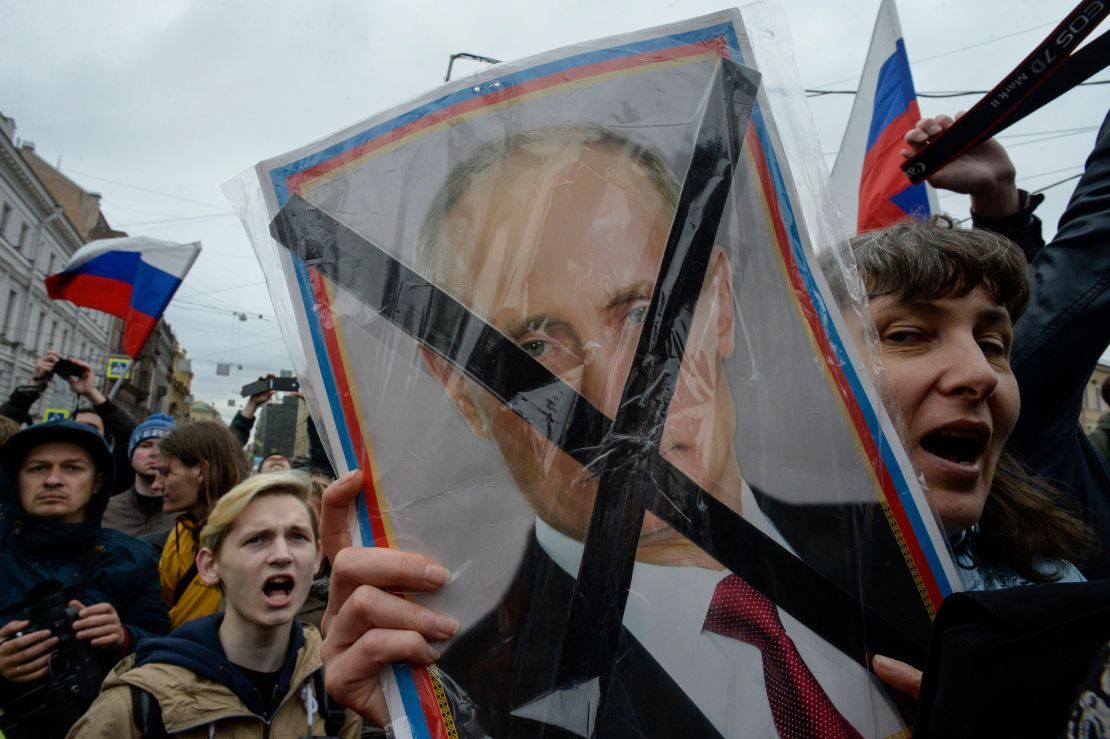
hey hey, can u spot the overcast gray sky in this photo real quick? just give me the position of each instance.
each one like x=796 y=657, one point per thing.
x=155 y=105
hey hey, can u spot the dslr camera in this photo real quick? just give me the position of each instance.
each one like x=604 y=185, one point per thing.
x=74 y=676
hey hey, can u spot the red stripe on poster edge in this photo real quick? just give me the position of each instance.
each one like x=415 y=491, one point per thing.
x=886 y=483
x=426 y=693
x=350 y=419
x=421 y=679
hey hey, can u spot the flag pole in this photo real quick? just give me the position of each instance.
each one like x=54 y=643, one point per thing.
x=119 y=380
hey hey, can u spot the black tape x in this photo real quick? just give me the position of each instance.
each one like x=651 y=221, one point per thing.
x=634 y=477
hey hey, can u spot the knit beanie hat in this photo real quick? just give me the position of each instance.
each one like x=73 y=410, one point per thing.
x=155 y=426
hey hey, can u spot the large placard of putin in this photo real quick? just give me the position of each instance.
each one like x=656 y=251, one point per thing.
x=587 y=321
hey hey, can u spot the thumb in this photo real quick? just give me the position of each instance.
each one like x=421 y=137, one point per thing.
x=334 y=509
x=897 y=675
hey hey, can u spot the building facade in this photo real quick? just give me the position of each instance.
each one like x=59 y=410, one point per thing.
x=179 y=399
x=39 y=231
x=154 y=383
x=44 y=218
x=201 y=411
x=276 y=432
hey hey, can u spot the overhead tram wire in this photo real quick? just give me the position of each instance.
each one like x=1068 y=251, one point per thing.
x=252 y=315
x=813 y=92
x=957 y=51
x=179 y=219
x=1075 y=176
x=149 y=190
x=223 y=289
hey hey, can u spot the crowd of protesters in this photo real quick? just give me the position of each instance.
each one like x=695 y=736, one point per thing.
x=153 y=584
x=96 y=571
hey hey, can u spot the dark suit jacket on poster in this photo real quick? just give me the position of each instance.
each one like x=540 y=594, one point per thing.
x=508 y=658
x=506 y=661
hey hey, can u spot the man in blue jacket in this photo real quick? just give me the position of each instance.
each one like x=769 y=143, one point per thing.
x=55 y=482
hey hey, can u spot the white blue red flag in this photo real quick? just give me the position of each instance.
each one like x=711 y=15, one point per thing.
x=872 y=190
x=134 y=277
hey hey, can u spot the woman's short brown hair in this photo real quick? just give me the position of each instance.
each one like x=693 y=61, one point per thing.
x=210 y=445
x=927 y=260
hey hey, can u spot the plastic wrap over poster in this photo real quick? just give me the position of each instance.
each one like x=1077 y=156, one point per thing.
x=568 y=317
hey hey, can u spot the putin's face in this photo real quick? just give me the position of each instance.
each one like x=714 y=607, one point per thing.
x=560 y=253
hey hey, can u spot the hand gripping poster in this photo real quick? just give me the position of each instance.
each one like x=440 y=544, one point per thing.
x=588 y=324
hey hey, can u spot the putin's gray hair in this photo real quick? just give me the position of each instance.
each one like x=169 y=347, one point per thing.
x=540 y=144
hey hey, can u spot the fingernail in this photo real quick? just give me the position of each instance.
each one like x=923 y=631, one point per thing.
x=349 y=475
x=880 y=661
x=446 y=625
x=433 y=653
x=436 y=573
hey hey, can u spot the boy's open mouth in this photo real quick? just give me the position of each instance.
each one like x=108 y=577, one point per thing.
x=278 y=589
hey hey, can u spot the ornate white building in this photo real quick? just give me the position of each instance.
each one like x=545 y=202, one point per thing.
x=44 y=218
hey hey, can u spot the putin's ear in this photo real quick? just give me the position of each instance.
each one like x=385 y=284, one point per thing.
x=452 y=381
x=720 y=276
x=206 y=567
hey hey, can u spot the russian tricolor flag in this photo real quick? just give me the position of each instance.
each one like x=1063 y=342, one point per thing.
x=133 y=277
x=871 y=188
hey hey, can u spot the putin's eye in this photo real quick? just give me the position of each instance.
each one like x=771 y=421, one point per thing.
x=637 y=314
x=535 y=348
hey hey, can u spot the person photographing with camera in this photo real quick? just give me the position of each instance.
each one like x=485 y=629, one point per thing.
x=107 y=418
x=74 y=598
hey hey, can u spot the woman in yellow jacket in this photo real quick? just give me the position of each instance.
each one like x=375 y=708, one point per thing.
x=200 y=462
x=251 y=671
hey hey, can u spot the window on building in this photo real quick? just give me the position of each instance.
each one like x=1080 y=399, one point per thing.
x=5 y=214
x=40 y=332
x=23 y=231
x=50 y=263
x=9 y=313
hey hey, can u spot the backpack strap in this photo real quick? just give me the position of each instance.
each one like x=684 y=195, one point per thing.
x=334 y=714
x=147 y=714
x=184 y=582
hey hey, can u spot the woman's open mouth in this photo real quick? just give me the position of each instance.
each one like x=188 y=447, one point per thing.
x=955 y=453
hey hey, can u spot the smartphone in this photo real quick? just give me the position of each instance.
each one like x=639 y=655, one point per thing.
x=68 y=368
x=281 y=384
x=285 y=384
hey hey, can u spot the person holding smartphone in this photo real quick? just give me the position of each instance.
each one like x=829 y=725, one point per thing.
x=107 y=418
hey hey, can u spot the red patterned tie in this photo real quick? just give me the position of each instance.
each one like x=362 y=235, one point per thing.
x=799 y=705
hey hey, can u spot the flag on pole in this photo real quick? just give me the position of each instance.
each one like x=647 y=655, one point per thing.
x=872 y=190
x=133 y=277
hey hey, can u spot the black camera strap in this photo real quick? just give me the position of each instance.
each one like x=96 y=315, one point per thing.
x=146 y=712
x=332 y=711
x=1050 y=70
x=184 y=582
